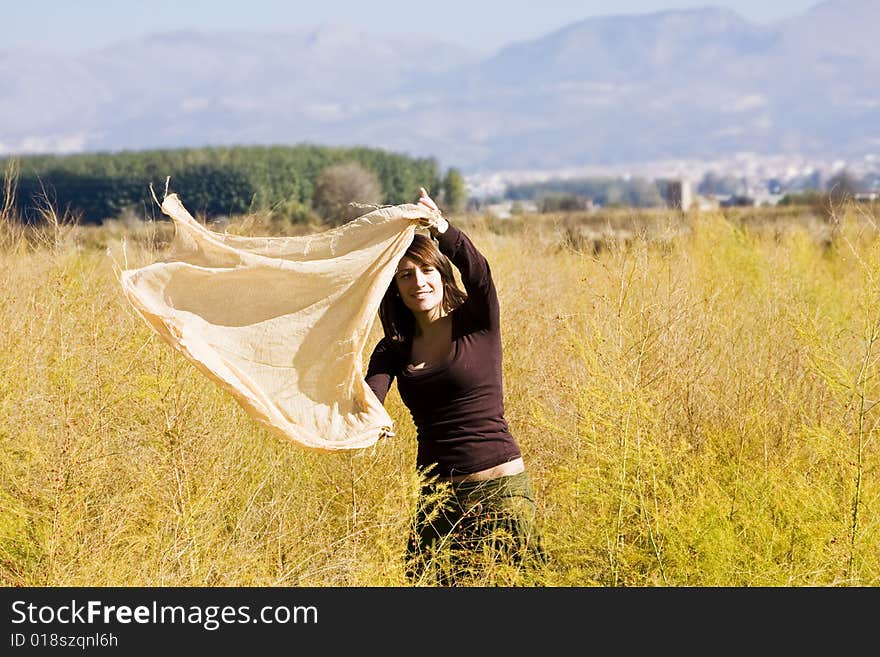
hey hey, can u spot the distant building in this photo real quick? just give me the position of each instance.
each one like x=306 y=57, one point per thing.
x=764 y=198
x=705 y=203
x=679 y=194
x=507 y=209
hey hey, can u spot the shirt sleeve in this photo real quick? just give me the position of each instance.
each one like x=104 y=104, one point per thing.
x=482 y=301
x=381 y=370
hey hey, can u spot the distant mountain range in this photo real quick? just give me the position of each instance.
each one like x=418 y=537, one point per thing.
x=696 y=84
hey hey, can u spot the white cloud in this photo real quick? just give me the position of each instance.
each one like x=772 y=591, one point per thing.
x=55 y=144
x=747 y=102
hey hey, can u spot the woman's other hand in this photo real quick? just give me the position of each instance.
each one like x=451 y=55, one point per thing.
x=426 y=200
x=436 y=226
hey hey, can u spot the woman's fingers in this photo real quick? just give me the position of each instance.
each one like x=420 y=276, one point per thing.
x=426 y=200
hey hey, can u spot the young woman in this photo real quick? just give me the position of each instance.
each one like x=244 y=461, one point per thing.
x=444 y=348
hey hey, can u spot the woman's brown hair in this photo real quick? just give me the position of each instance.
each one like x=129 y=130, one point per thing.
x=398 y=321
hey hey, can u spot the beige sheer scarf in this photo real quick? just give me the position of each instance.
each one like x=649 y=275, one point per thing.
x=281 y=323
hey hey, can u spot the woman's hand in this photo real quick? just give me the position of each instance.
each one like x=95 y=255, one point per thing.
x=426 y=200
x=437 y=226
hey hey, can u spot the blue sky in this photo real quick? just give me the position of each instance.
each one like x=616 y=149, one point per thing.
x=483 y=25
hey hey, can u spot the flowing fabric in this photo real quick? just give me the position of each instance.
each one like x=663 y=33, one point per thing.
x=281 y=323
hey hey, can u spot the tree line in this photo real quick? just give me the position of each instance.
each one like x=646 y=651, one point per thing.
x=566 y=194
x=222 y=181
x=558 y=194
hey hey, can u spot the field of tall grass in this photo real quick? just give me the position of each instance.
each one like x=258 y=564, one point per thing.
x=695 y=396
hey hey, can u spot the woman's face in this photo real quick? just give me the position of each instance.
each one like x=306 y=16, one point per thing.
x=420 y=286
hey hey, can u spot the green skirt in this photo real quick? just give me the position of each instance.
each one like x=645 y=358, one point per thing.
x=474 y=532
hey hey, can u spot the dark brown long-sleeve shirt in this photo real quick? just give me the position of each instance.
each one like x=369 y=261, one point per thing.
x=457 y=406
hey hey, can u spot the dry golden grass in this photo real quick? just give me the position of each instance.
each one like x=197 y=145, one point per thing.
x=695 y=404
